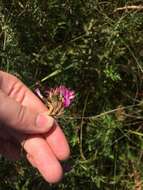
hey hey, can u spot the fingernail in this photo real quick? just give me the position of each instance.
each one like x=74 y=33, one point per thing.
x=44 y=121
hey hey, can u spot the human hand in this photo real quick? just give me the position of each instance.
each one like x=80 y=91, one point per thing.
x=23 y=121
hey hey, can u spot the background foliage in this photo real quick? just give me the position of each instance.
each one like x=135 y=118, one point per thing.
x=97 y=50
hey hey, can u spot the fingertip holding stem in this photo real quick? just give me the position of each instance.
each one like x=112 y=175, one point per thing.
x=44 y=122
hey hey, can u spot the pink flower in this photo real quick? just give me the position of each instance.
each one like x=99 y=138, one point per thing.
x=67 y=94
x=57 y=99
x=37 y=91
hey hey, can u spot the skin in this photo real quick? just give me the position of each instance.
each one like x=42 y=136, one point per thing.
x=23 y=122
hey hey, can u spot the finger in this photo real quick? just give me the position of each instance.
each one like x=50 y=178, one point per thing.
x=43 y=158
x=10 y=150
x=15 y=89
x=58 y=143
x=21 y=118
x=31 y=160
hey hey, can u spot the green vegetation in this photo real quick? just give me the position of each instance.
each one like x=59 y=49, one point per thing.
x=97 y=50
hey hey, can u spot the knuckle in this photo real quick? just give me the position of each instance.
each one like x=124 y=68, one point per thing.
x=17 y=91
x=20 y=116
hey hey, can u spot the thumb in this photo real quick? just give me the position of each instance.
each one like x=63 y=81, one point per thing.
x=15 y=116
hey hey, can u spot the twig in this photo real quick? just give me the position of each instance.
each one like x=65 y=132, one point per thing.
x=133 y=55
x=54 y=73
x=129 y=7
x=81 y=129
x=99 y=115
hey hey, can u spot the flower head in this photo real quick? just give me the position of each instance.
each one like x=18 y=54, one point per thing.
x=57 y=99
x=67 y=94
